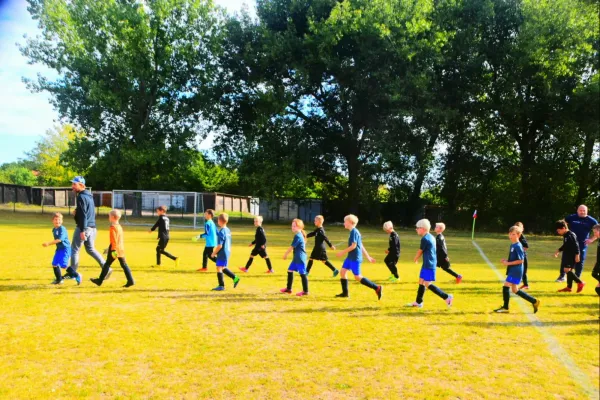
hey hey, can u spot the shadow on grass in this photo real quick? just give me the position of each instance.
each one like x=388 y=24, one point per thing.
x=523 y=323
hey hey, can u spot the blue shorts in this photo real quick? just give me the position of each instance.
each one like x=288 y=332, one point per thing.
x=352 y=265
x=513 y=279
x=62 y=257
x=221 y=263
x=298 y=267
x=427 y=274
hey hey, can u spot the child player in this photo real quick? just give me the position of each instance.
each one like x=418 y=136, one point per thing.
x=523 y=241
x=162 y=223
x=427 y=275
x=354 y=259
x=596 y=270
x=260 y=246
x=116 y=250
x=222 y=253
x=62 y=254
x=393 y=251
x=441 y=251
x=570 y=256
x=210 y=235
x=319 y=252
x=298 y=263
x=514 y=273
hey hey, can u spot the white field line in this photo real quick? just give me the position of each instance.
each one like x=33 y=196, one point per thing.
x=554 y=346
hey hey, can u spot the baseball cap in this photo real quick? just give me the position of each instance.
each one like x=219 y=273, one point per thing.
x=78 y=179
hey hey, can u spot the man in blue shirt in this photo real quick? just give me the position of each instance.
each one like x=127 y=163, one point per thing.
x=581 y=225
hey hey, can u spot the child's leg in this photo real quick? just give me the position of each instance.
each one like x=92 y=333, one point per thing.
x=304 y=282
x=365 y=282
x=309 y=265
x=268 y=261
x=420 y=292
x=571 y=277
x=126 y=270
x=329 y=265
x=435 y=289
x=158 y=252
x=523 y=294
x=446 y=267
x=525 y=282
x=109 y=260
x=596 y=273
x=228 y=272
x=249 y=262
x=506 y=294
x=290 y=280
x=57 y=274
x=344 y=282
x=220 y=276
x=391 y=264
x=206 y=255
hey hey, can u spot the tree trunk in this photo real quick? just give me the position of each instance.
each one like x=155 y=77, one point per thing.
x=584 y=170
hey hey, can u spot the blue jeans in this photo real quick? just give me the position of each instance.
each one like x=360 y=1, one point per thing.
x=90 y=237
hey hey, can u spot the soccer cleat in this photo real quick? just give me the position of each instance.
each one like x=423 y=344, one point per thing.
x=336 y=272
x=67 y=276
x=415 y=304
x=524 y=287
x=57 y=282
x=96 y=281
x=449 y=300
x=501 y=310
x=379 y=292
x=300 y=294
x=129 y=284
x=567 y=290
x=244 y=269
x=219 y=288
x=78 y=279
x=285 y=290
x=236 y=280
x=580 y=286
x=459 y=279
x=393 y=279
x=536 y=305
x=270 y=271
x=155 y=265
x=342 y=295
x=177 y=262
x=560 y=279
x=202 y=270
x=108 y=274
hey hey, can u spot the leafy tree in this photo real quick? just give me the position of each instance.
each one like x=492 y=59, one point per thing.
x=17 y=173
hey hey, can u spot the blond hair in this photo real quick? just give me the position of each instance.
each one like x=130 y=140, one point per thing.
x=57 y=215
x=300 y=224
x=388 y=225
x=115 y=213
x=441 y=225
x=352 y=218
x=320 y=218
x=514 y=228
x=224 y=217
x=424 y=224
x=259 y=219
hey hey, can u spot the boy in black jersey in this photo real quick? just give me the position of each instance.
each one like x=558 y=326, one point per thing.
x=260 y=247
x=319 y=252
x=570 y=256
x=596 y=270
x=393 y=251
x=523 y=241
x=163 y=235
x=443 y=260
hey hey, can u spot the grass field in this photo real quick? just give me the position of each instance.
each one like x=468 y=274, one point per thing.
x=169 y=336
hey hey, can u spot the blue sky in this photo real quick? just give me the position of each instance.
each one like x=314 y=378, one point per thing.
x=25 y=116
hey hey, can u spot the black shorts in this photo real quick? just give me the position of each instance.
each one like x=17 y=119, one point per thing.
x=163 y=242
x=390 y=259
x=257 y=251
x=318 y=254
x=443 y=264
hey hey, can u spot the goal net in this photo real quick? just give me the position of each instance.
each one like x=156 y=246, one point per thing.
x=138 y=207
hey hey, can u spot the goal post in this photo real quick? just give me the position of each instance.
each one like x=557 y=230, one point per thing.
x=138 y=207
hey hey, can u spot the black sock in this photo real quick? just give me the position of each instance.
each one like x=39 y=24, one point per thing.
x=309 y=266
x=227 y=272
x=220 y=278
x=249 y=263
x=57 y=274
x=506 y=296
x=572 y=277
x=438 y=291
x=290 y=280
x=525 y=282
x=268 y=261
x=344 y=286
x=525 y=296
x=71 y=272
x=451 y=272
x=420 y=293
x=304 y=282
x=368 y=283
x=329 y=265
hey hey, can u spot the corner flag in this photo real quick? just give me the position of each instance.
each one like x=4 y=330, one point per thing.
x=473 y=231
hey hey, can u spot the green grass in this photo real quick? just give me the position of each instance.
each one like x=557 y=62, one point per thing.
x=169 y=336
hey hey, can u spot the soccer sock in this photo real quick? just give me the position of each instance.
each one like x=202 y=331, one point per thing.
x=420 y=293
x=309 y=266
x=451 y=272
x=249 y=263
x=525 y=296
x=220 y=278
x=158 y=250
x=574 y=277
x=71 y=272
x=570 y=279
x=268 y=261
x=438 y=291
x=329 y=265
x=344 y=286
x=393 y=269
x=290 y=280
x=304 y=282
x=506 y=296
x=368 y=283
x=227 y=272
x=57 y=274
x=171 y=256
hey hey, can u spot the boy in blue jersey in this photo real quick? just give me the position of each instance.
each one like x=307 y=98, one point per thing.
x=354 y=259
x=63 y=248
x=260 y=246
x=570 y=257
x=222 y=253
x=427 y=249
x=525 y=244
x=514 y=272
x=298 y=263
x=210 y=235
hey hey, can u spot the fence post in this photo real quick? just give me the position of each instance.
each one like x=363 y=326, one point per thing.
x=15 y=202
x=43 y=195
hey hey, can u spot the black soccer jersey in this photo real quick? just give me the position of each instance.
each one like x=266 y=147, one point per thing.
x=320 y=238
x=260 y=239
x=440 y=248
x=394 y=245
x=163 y=227
x=570 y=248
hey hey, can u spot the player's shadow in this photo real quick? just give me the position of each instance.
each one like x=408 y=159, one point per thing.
x=103 y=290
x=229 y=297
x=496 y=324
x=18 y=288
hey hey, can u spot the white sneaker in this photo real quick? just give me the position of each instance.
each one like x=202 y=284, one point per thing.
x=449 y=300
x=415 y=304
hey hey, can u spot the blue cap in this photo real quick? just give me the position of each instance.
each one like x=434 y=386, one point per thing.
x=78 y=179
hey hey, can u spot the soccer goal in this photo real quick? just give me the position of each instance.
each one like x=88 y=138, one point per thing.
x=185 y=209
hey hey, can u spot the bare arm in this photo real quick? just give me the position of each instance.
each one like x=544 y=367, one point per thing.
x=46 y=244
x=347 y=250
x=418 y=255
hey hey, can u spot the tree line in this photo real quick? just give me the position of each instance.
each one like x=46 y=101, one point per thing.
x=468 y=104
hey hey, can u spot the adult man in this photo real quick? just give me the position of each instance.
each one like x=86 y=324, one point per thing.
x=85 y=231
x=580 y=224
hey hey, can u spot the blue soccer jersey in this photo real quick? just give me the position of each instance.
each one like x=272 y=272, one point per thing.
x=516 y=253
x=356 y=254
x=299 y=249
x=429 y=251
x=210 y=233
x=61 y=234
x=224 y=239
